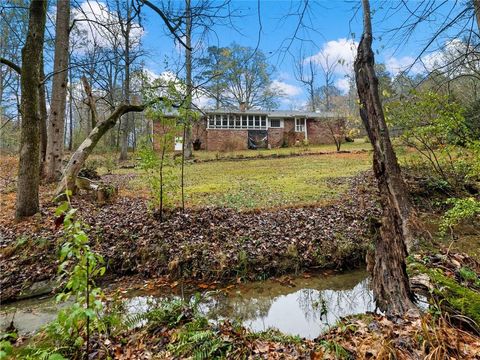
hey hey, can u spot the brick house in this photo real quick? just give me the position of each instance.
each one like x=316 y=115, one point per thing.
x=228 y=130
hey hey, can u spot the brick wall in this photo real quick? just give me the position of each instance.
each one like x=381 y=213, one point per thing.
x=159 y=130
x=275 y=137
x=319 y=133
x=291 y=137
x=227 y=140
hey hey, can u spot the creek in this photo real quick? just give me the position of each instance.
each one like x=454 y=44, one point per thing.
x=305 y=305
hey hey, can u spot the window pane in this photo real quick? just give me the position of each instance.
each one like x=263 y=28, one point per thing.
x=224 y=121
x=237 y=121
x=250 y=120
x=211 y=121
x=275 y=123
x=244 y=121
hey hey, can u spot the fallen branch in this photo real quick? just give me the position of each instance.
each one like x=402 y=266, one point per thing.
x=79 y=157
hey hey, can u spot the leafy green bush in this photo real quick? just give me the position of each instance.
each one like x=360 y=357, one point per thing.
x=435 y=126
x=79 y=266
x=462 y=209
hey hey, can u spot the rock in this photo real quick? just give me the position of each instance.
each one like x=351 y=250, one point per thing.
x=38 y=288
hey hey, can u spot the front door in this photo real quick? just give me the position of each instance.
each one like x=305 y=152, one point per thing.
x=257 y=139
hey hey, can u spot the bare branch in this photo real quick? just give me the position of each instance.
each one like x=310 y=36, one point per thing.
x=173 y=30
x=11 y=65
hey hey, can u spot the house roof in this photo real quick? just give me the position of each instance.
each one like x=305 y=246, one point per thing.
x=276 y=113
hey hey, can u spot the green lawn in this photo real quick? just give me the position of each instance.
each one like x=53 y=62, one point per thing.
x=264 y=183
x=358 y=144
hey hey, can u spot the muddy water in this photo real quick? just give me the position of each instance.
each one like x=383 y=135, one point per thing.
x=303 y=306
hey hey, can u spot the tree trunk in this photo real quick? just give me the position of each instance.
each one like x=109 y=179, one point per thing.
x=125 y=124
x=85 y=149
x=56 y=124
x=390 y=280
x=187 y=143
x=476 y=8
x=70 y=112
x=29 y=163
x=43 y=115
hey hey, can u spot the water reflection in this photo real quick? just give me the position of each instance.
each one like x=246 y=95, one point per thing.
x=305 y=308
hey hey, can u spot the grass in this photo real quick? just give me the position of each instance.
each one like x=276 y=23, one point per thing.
x=266 y=183
x=357 y=145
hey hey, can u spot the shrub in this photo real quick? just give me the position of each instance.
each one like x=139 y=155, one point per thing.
x=461 y=210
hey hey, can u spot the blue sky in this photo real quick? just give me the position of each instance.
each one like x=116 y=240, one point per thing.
x=333 y=28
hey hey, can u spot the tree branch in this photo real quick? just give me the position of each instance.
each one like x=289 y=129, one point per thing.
x=167 y=22
x=11 y=65
x=91 y=100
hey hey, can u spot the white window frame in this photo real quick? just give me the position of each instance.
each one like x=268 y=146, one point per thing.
x=276 y=127
x=237 y=121
x=298 y=126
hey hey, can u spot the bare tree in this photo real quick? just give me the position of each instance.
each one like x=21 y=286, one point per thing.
x=328 y=68
x=390 y=280
x=306 y=72
x=187 y=133
x=29 y=162
x=56 y=123
x=126 y=21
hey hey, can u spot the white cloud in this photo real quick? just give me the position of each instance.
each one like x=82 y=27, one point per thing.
x=396 y=65
x=202 y=101
x=340 y=53
x=88 y=32
x=285 y=88
x=343 y=84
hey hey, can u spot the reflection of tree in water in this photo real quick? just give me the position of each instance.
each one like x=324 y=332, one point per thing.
x=330 y=305
x=264 y=304
x=342 y=295
x=237 y=307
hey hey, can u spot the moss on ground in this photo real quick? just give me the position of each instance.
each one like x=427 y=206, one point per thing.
x=463 y=299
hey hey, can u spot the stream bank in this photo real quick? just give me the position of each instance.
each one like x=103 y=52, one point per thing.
x=209 y=244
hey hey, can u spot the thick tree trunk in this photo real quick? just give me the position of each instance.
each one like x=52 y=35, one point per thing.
x=29 y=163
x=390 y=281
x=85 y=149
x=56 y=124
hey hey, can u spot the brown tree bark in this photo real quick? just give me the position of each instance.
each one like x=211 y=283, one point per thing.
x=476 y=9
x=56 y=123
x=391 y=288
x=126 y=121
x=43 y=114
x=86 y=147
x=27 y=202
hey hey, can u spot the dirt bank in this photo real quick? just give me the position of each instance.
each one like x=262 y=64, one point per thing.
x=204 y=244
